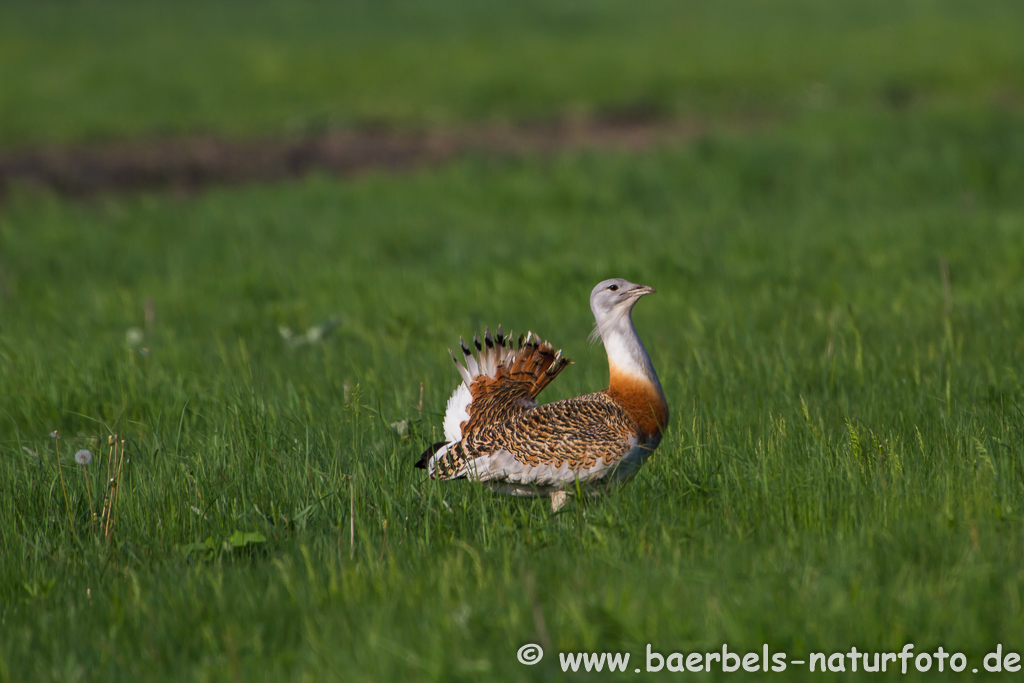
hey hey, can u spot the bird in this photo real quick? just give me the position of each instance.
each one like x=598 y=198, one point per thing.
x=496 y=433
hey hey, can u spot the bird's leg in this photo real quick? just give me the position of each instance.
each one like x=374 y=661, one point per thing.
x=558 y=499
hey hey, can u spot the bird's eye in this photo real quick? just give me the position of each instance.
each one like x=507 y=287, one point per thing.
x=614 y=288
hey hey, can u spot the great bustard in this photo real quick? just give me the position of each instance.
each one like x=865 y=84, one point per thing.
x=496 y=433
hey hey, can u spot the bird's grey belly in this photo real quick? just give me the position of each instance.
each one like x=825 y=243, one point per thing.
x=630 y=463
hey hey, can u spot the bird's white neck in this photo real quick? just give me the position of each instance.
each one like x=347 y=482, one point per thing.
x=627 y=356
x=632 y=382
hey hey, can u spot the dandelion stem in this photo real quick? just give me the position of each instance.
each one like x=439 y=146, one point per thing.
x=88 y=490
x=60 y=470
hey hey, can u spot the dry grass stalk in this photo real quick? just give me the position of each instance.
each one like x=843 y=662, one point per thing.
x=105 y=514
x=115 y=487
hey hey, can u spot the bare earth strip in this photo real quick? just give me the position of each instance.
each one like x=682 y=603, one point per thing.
x=193 y=163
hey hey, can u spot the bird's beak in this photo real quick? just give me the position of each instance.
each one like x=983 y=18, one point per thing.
x=640 y=290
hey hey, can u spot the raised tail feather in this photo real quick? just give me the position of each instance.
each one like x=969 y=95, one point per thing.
x=499 y=381
x=507 y=380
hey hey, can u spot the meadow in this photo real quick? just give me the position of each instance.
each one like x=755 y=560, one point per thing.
x=113 y=69
x=838 y=329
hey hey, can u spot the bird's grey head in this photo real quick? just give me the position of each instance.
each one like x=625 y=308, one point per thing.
x=613 y=300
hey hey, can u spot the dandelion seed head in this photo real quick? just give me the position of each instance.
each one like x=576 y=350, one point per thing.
x=54 y=434
x=83 y=457
x=133 y=336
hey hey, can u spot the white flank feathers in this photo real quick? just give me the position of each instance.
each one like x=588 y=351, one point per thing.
x=457 y=413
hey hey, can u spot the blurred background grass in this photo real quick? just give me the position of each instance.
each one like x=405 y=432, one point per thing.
x=837 y=328
x=108 y=69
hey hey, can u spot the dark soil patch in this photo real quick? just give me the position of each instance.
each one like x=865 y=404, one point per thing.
x=193 y=163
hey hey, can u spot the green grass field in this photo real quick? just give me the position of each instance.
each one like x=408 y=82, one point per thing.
x=838 y=329
x=121 y=68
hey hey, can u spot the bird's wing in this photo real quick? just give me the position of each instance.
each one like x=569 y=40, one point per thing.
x=577 y=439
